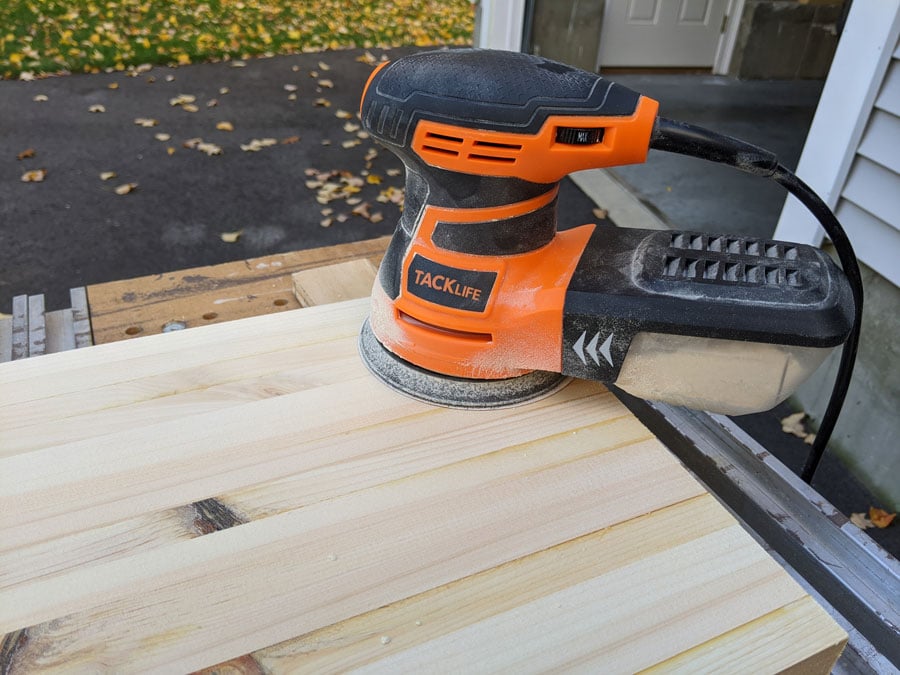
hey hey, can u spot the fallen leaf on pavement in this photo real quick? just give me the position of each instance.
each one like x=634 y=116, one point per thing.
x=367 y=58
x=162 y=137
x=26 y=154
x=225 y=126
x=40 y=98
x=600 y=214
x=861 y=521
x=794 y=425
x=290 y=140
x=231 y=237
x=107 y=175
x=393 y=172
x=326 y=84
x=350 y=127
x=351 y=144
x=291 y=87
x=238 y=64
x=190 y=107
x=112 y=85
x=35 y=176
x=343 y=114
x=97 y=108
x=880 y=518
x=258 y=144
x=373 y=179
x=209 y=148
x=125 y=188
x=324 y=66
x=376 y=217
x=322 y=103
x=224 y=90
x=145 y=122
x=182 y=99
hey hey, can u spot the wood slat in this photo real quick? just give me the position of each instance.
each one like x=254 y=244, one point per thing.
x=138 y=307
x=19 y=327
x=81 y=320
x=246 y=495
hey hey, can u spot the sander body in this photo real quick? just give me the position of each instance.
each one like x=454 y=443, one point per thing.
x=483 y=301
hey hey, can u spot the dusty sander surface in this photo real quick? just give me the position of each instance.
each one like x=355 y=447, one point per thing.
x=453 y=392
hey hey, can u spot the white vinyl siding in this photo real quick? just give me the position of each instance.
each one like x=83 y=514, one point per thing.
x=861 y=180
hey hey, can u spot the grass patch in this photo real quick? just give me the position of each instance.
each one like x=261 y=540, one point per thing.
x=50 y=36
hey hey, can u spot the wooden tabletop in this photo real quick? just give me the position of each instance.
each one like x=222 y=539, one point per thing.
x=246 y=496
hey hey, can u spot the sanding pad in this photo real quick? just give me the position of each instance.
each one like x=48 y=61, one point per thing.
x=453 y=392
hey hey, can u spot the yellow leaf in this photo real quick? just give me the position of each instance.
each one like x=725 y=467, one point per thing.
x=373 y=179
x=125 y=188
x=145 y=122
x=107 y=175
x=35 y=176
x=26 y=154
x=880 y=518
x=225 y=126
x=40 y=98
x=112 y=85
x=170 y=150
x=183 y=60
x=162 y=137
x=231 y=237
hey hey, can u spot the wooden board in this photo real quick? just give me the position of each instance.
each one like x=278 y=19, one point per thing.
x=142 y=306
x=247 y=493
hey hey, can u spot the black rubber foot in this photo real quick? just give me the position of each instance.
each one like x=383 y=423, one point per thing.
x=453 y=392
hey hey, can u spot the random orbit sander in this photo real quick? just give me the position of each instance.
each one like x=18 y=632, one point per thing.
x=481 y=302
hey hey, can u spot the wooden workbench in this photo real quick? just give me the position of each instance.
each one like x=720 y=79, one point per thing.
x=246 y=496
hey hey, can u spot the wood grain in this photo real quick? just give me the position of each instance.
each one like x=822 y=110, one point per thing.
x=122 y=310
x=245 y=494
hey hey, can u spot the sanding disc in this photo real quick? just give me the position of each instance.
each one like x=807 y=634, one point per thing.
x=453 y=392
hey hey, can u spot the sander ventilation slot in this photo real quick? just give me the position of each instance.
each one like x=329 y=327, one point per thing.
x=730 y=260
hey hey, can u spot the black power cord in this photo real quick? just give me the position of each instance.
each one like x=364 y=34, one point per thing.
x=687 y=139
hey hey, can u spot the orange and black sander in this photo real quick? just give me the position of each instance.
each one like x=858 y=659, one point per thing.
x=482 y=302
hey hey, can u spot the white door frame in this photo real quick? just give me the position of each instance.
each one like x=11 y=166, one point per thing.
x=499 y=24
x=728 y=39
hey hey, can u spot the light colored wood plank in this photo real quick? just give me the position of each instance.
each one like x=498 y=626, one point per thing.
x=350 y=554
x=138 y=307
x=775 y=642
x=346 y=506
x=60 y=331
x=344 y=281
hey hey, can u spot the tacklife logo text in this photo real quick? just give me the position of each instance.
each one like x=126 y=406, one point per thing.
x=446 y=284
x=449 y=286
